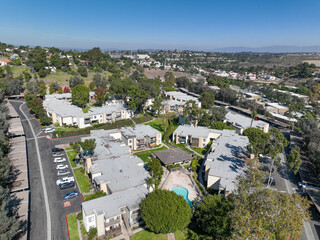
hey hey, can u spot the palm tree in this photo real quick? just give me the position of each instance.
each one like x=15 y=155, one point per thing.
x=254 y=115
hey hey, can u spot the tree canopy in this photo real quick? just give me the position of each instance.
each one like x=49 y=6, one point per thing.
x=262 y=213
x=80 y=95
x=212 y=216
x=294 y=160
x=164 y=211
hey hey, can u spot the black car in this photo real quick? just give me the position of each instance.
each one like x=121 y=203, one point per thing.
x=67 y=185
x=57 y=149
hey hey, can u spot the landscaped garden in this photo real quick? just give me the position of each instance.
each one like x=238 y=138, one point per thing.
x=157 y=124
x=68 y=132
x=82 y=180
x=72 y=155
x=146 y=154
x=146 y=235
x=73 y=226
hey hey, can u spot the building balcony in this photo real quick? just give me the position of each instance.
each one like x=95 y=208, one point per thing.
x=108 y=224
x=113 y=231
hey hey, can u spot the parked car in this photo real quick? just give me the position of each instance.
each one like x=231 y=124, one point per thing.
x=57 y=149
x=65 y=180
x=70 y=195
x=62 y=166
x=67 y=185
x=48 y=129
x=63 y=172
x=59 y=160
x=58 y=154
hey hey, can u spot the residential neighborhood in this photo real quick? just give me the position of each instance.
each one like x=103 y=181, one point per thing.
x=160 y=120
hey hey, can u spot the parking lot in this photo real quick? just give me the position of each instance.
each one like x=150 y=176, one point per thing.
x=57 y=205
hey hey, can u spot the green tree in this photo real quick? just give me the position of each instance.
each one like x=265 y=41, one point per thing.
x=74 y=81
x=207 y=99
x=51 y=89
x=15 y=87
x=88 y=144
x=262 y=213
x=100 y=81
x=80 y=95
x=138 y=98
x=92 y=86
x=254 y=115
x=258 y=140
x=294 y=160
x=42 y=88
x=212 y=216
x=221 y=125
x=191 y=111
x=164 y=211
x=169 y=80
x=83 y=71
x=156 y=170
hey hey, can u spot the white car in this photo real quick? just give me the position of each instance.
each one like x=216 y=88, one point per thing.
x=48 y=129
x=59 y=160
x=58 y=154
x=65 y=180
x=62 y=166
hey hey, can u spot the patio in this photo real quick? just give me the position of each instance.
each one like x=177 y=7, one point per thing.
x=180 y=179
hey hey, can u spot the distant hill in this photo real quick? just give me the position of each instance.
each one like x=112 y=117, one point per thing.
x=270 y=49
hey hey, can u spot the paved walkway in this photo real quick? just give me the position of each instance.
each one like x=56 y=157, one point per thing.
x=170 y=236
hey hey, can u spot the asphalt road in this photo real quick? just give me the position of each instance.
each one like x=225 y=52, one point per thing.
x=37 y=217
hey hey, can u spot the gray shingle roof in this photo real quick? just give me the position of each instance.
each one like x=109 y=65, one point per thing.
x=172 y=156
x=226 y=161
x=120 y=173
x=110 y=205
x=243 y=121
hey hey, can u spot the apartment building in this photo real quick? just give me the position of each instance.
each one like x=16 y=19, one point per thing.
x=140 y=136
x=182 y=97
x=276 y=108
x=111 y=213
x=241 y=122
x=61 y=111
x=226 y=161
x=197 y=137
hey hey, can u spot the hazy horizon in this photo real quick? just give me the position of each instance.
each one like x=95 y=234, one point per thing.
x=204 y=25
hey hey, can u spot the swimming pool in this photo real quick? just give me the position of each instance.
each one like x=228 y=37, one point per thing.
x=181 y=191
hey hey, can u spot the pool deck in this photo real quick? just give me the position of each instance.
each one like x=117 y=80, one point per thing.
x=180 y=179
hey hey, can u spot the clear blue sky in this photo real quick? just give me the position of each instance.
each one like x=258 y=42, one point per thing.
x=166 y=24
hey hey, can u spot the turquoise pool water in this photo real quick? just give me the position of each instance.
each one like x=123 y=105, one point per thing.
x=181 y=191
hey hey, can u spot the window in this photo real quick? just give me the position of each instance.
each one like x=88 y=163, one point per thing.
x=204 y=140
x=90 y=219
x=130 y=140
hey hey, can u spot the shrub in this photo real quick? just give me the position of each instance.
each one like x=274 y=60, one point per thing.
x=80 y=216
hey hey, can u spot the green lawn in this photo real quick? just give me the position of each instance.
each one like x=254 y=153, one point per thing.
x=142 y=119
x=72 y=155
x=66 y=129
x=181 y=145
x=201 y=151
x=82 y=179
x=73 y=226
x=145 y=235
x=145 y=154
x=181 y=235
x=69 y=148
x=157 y=124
